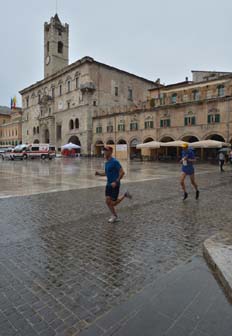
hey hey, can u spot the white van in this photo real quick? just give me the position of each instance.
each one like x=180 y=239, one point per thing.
x=43 y=151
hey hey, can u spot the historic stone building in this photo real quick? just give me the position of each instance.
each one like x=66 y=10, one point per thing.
x=60 y=108
x=190 y=110
x=10 y=126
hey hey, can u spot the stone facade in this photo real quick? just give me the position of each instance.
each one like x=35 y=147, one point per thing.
x=11 y=127
x=190 y=111
x=60 y=108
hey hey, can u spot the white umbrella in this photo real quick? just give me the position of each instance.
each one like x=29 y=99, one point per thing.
x=177 y=143
x=208 y=144
x=70 y=146
x=150 y=144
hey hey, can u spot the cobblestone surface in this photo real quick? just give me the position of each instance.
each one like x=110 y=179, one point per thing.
x=62 y=265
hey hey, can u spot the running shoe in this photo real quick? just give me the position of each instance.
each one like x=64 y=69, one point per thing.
x=114 y=219
x=128 y=195
x=185 y=196
x=197 y=194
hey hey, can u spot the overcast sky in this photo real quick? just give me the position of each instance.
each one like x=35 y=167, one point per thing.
x=151 y=38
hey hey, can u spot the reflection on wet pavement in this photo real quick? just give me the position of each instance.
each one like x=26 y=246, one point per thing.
x=34 y=177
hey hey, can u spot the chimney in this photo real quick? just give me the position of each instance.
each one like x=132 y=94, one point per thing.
x=186 y=79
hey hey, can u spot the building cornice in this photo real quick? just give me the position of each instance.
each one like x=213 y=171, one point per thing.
x=163 y=107
x=73 y=66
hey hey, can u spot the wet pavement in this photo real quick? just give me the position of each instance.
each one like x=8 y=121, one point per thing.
x=31 y=177
x=62 y=266
x=184 y=302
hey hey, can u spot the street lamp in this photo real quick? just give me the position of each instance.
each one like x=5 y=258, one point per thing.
x=115 y=137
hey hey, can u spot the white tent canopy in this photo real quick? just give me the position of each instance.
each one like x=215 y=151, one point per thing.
x=70 y=146
x=150 y=144
x=209 y=144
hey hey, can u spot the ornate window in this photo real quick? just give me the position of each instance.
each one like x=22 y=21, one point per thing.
x=71 y=124
x=53 y=92
x=165 y=123
x=69 y=85
x=134 y=126
x=174 y=98
x=60 y=90
x=110 y=129
x=221 y=90
x=213 y=118
x=77 y=82
x=130 y=94
x=196 y=95
x=190 y=121
x=149 y=124
x=77 y=125
x=99 y=129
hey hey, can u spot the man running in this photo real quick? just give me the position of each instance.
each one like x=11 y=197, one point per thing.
x=188 y=158
x=114 y=173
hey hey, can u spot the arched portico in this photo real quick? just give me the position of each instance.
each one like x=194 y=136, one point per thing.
x=75 y=140
x=189 y=138
x=211 y=154
x=134 y=152
x=110 y=142
x=149 y=154
x=168 y=153
x=122 y=142
x=215 y=136
x=99 y=145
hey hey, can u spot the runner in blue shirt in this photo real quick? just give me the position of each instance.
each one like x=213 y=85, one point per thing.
x=114 y=173
x=188 y=158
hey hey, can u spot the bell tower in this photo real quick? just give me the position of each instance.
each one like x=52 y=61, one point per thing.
x=56 y=46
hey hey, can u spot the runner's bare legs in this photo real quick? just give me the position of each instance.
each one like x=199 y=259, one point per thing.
x=192 y=178
x=112 y=204
x=182 y=181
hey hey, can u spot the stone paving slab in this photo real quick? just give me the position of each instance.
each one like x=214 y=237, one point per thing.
x=218 y=253
x=186 y=301
x=64 y=267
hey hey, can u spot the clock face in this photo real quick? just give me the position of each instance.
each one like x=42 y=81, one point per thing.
x=48 y=60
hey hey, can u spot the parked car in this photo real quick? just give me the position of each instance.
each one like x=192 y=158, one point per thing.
x=19 y=152
x=8 y=154
x=3 y=149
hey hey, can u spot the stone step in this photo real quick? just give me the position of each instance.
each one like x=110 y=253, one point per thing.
x=218 y=253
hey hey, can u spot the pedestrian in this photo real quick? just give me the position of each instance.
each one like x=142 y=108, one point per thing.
x=188 y=158
x=230 y=157
x=221 y=161
x=114 y=173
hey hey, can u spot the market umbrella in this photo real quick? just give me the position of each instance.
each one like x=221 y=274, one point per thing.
x=225 y=150
x=70 y=146
x=150 y=144
x=208 y=144
x=177 y=143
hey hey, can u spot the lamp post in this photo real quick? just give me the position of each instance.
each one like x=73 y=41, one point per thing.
x=228 y=121
x=115 y=137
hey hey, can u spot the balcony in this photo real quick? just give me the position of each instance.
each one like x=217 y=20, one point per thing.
x=87 y=87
